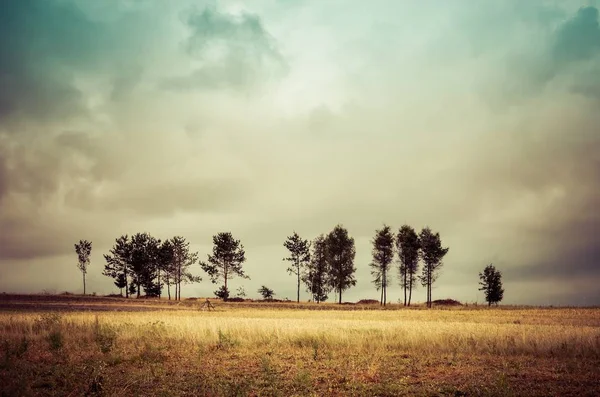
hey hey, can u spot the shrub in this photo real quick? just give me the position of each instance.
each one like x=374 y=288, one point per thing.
x=368 y=302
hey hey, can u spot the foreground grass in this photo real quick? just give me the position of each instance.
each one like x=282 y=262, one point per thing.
x=250 y=351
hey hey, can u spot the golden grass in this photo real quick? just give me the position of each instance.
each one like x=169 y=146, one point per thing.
x=300 y=352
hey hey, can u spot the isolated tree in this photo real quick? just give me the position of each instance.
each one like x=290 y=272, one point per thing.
x=266 y=293
x=118 y=263
x=491 y=284
x=299 y=258
x=183 y=259
x=432 y=254
x=408 y=246
x=83 y=250
x=340 y=256
x=226 y=260
x=383 y=255
x=316 y=277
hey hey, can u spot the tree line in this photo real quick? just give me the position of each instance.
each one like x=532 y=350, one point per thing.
x=142 y=262
x=330 y=264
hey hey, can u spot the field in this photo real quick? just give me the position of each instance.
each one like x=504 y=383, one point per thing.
x=99 y=346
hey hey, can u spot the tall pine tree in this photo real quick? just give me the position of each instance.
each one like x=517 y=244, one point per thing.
x=340 y=256
x=383 y=255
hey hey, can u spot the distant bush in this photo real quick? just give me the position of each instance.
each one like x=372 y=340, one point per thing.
x=113 y=296
x=367 y=302
x=236 y=299
x=447 y=302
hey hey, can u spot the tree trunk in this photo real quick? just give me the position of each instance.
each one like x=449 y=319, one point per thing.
x=409 y=291
x=340 y=291
x=169 y=289
x=298 y=293
x=126 y=286
x=159 y=285
x=381 y=297
x=138 y=289
x=84 y=283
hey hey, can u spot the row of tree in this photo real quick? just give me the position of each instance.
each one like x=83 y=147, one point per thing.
x=330 y=264
x=142 y=262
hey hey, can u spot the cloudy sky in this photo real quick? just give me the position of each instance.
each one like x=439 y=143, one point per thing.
x=190 y=117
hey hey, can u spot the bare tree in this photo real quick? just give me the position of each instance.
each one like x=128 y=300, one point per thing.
x=83 y=250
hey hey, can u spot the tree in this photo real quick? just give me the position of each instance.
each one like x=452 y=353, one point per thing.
x=166 y=268
x=266 y=293
x=121 y=282
x=299 y=258
x=118 y=263
x=408 y=246
x=491 y=284
x=183 y=259
x=383 y=255
x=226 y=260
x=432 y=254
x=144 y=263
x=316 y=277
x=340 y=256
x=83 y=250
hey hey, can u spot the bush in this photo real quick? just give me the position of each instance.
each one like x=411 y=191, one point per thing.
x=447 y=302
x=236 y=299
x=368 y=302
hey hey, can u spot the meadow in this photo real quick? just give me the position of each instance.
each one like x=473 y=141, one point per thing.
x=294 y=350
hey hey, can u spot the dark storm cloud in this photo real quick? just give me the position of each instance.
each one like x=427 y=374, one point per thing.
x=235 y=52
x=578 y=38
x=40 y=42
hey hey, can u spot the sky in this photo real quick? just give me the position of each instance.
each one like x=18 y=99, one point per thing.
x=479 y=119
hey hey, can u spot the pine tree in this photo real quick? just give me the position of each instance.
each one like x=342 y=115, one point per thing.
x=340 y=257
x=316 y=277
x=408 y=246
x=383 y=255
x=432 y=254
x=226 y=260
x=491 y=284
x=299 y=258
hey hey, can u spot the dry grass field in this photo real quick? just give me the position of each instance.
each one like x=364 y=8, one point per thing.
x=294 y=350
